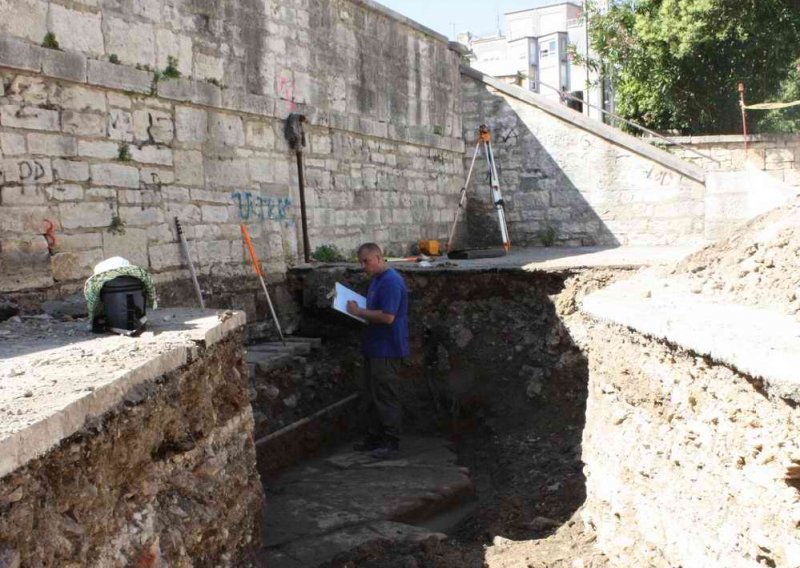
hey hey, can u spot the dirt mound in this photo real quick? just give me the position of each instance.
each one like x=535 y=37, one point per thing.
x=757 y=264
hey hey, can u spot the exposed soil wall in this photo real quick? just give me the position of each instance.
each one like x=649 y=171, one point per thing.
x=686 y=459
x=166 y=476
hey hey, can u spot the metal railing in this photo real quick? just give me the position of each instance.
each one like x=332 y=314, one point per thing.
x=566 y=95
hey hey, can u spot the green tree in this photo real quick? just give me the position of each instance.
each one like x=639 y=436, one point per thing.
x=676 y=63
x=785 y=120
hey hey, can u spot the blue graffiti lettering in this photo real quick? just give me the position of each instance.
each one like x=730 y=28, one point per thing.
x=276 y=208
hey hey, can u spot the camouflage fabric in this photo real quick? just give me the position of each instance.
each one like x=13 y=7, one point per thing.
x=93 y=286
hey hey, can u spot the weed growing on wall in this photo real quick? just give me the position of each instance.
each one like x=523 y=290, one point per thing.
x=114 y=58
x=547 y=236
x=328 y=253
x=50 y=41
x=171 y=70
x=117 y=225
x=124 y=153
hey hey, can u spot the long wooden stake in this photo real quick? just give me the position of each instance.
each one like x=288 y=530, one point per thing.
x=260 y=275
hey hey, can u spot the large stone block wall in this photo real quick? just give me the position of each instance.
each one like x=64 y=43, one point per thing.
x=686 y=458
x=776 y=154
x=86 y=144
x=569 y=181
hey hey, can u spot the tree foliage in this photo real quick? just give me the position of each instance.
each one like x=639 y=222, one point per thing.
x=675 y=64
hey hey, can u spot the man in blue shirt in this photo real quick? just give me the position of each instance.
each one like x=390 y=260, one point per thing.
x=385 y=344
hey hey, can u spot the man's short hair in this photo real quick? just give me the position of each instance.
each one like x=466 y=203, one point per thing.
x=369 y=247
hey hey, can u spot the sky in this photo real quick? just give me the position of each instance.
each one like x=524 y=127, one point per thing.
x=444 y=16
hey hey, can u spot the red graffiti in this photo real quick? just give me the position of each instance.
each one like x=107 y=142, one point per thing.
x=286 y=91
x=49 y=234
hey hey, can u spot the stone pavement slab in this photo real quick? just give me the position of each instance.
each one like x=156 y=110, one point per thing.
x=333 y=504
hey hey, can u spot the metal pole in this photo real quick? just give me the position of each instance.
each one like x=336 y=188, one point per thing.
x=462 y=199
x=586 y=63
x=303 y=219
x=744 y=115
x=185 y=248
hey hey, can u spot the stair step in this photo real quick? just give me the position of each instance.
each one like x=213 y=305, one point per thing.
x=297 y=348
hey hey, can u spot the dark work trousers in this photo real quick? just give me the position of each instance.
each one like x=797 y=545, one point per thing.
x=381 y=412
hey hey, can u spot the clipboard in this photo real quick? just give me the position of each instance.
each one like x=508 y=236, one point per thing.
x=342 y=295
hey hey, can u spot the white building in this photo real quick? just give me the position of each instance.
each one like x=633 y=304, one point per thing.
x=534 y=53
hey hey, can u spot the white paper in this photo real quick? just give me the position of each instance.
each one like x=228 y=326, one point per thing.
x=342 y=295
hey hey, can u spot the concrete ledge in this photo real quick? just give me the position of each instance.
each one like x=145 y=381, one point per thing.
x=594 y=127
x=54 y=376
x=121 y=77
x=727 y=139
x=762 y=344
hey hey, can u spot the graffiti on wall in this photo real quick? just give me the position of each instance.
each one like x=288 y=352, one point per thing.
x=25 y=171
x=263 y=208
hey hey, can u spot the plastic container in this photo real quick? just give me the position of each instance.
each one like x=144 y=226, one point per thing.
x=123 y=302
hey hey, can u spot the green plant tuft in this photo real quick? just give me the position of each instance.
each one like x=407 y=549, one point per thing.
x=171 y=70
x=50 y=41
x=117 y=225
x=547 y=236
x=124 y=153
x=328 y=253
x=113 y=58
x=215 y=82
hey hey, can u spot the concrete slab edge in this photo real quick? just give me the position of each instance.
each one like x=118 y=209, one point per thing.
x=40 y=437
x=599 y=129
x=770 y=362
x=20 y=55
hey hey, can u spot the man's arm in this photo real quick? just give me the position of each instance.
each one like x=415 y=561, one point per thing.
x=372 y=316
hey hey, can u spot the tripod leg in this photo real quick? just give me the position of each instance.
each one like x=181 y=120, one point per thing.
x=462 y=200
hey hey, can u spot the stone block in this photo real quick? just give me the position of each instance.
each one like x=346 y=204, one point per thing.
x=83 y=123
x=29 y=117
x=226 y=173
x=213 y=251
x=55 y=145
x=121 y=77
x=170 y=44
x=226 y=129
x=215 y=214
x=78 y=98
x=64 y=65
x=120 y=125
x=132 y=42
x=18 y=54
x=24 y=263
x=132 y=245
x=172 y=193
x=137 y=216
x=22 y=195
x=75 y=265
x=118 y=100
x=208 y=67
x=191 y=125
x=70 y=170
x=259 y=134
x=241 y=101
x=165 y=256
x=155 y=177
x=223 y=197
x=77 y=30
x=186 y=212
x=24 y=18
x=64 y=192
x=100 y=149
x=85 y=215
x=26 y=171
x=12 y=144
x=261 y=169
x=189 y=168
x=153 y=125
x=115 y=174
x=149 y=154
x=82 y=241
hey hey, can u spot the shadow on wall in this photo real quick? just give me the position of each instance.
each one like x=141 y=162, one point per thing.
x=543 y=206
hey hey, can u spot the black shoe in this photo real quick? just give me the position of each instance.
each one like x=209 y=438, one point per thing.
x=367 y=445
x=386 y=451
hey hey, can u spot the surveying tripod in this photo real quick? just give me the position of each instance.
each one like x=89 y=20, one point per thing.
x=485 y=139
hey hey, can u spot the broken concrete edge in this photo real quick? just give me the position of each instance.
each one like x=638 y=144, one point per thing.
x=35 y=440
x=592 y=126
x=23 y=56
x=764 y=346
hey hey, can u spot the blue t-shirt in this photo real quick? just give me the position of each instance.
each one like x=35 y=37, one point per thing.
x=387 y=293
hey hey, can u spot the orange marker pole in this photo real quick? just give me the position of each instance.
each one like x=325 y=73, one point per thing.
x=260 y=275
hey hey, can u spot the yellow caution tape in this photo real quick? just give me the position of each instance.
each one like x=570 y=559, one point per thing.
x=771 y=106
